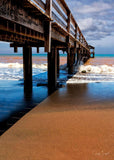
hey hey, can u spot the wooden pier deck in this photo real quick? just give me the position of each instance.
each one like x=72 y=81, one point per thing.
x=49 y=24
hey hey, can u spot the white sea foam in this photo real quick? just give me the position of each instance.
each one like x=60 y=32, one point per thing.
x=14 y=71
x=96 y=69
x=11 y=65
x=18 y=65
x=40 y=66
x=91 y=74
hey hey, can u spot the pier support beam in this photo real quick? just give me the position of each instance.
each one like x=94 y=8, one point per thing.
x=74 y=58
x=75 y=49
x=68 y=58
x=27 y=68
x=70 y=61
x=84 y=56
x=78 y=55
x=58 y=62
x=52 y=69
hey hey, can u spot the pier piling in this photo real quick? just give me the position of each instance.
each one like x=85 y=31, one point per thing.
x=58 y=62
x=71 y=61
x=49 y=24
x=27 y=67
x=52 y=69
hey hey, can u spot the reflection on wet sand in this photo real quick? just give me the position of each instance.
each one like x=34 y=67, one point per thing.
x=85 y=96
x=76 y=122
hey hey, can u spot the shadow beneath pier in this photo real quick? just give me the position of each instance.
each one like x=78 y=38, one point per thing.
x=17 y=103
x=20 y=101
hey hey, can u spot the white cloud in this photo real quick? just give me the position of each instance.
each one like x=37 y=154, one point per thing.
x=95 y=19
x=86 y=24
x=95 y=29
x=107 y=41
x=94 y=7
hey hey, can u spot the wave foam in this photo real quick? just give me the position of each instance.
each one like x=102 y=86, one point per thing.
x=91 y=74
x=96 y=69
x=90 y=79
x=11 y=65
x=14 y=71
x=18 y=65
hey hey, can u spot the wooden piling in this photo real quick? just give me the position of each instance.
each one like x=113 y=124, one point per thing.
x=58 y=62
x=27 y=67
x=78 y=55
x=74 y=58
x=15 y=49
x=68 y=58
x=52 y=69
x=47 y=26
x=71 y=61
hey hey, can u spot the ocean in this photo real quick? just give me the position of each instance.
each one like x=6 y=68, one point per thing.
x=14 y=103
x=95 y=70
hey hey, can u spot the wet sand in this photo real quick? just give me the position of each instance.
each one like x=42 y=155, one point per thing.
x=17 y=103
x=74 y=123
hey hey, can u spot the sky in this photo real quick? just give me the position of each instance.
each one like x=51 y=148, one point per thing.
x=96 y=21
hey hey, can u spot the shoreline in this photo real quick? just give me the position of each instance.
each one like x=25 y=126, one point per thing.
x=69 y=124
x=63 y=78
x=39 y=93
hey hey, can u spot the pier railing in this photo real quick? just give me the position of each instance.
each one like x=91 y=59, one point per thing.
x=62 y=16
x=43 y=23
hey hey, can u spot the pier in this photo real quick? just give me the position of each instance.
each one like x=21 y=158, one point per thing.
x=76 y=122
x=49 y=24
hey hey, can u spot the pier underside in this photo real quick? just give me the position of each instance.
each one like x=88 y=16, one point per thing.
x=33 y=23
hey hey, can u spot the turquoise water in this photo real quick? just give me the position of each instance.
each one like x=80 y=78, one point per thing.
x=104 y=55
x=34 y=55
x=62 y=55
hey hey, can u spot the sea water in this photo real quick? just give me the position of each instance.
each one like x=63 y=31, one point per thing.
x=11 y=66
x=14 y=103
x=98 y=69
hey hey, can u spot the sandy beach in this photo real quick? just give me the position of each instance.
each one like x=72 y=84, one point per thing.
x=74 y=123
x=67 y=125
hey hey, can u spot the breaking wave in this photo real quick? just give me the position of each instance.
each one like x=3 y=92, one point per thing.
x=91 y=74
x=14 y=71
x=18 y=65
x=101 y=69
